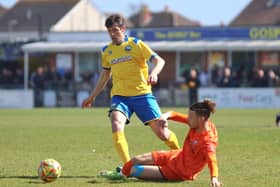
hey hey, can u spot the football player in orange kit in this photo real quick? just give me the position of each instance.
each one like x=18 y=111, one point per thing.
x=182 y=164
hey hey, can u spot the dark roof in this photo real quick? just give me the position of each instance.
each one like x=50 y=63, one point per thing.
x=164 y=18
x=30 y=15
x=259 y=12
x=2 y=10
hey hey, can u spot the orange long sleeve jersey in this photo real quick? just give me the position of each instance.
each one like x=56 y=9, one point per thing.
x=199 y=149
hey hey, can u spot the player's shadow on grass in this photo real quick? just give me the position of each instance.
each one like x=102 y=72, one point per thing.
x=31 y=179
x=99 y=180
x=36 y=180
x=18 y=177
x=94 y=179
x=36 y=177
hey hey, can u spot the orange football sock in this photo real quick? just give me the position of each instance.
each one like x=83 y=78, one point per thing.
x=127 y=167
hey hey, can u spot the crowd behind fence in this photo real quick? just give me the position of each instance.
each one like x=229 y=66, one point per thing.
x=63 y=83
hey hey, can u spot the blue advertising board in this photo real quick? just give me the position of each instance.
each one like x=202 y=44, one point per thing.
x=207 y=33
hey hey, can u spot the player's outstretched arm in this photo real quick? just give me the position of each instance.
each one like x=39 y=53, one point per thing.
x=102 y=81
x=176 y=116
x=213 y=165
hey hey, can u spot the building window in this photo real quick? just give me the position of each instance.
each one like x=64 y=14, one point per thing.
x=190 y=60
x=243 y=66
x=269 y=59
x=243 y=60
x=217 y=58
x=88 y=66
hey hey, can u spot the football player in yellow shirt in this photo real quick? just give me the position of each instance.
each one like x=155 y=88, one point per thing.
x=125 y=61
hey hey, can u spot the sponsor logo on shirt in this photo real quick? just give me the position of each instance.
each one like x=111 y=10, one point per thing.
x=193 y=145
x=121 y=59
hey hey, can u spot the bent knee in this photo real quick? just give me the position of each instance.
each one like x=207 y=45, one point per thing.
x=140 y=159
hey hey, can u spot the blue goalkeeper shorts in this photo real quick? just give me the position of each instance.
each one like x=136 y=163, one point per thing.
x=145 y=107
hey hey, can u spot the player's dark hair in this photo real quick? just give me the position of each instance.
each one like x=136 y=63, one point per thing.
x=114 y=19
x=204 y=108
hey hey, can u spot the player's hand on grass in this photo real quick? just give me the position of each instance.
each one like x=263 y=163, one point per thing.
x=215 y=182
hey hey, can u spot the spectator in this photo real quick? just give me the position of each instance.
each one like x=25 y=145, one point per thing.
x=277 y=121
x=204 y=78
x=226 y=80
x=215 y=74
x=250 y=76
x=68 y=79
x=38 y=82
x=6 y=78
x=260 y=80
x=19 y=78
x=52 y=78
x=273 y=79
x=193 y=83
x=87 y=76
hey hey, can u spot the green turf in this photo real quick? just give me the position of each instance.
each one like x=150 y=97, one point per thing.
x=248 y=151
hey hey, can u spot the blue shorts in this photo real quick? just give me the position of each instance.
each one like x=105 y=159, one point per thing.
x=145 y=107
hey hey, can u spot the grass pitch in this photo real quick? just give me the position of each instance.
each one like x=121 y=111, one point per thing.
x=248 y=151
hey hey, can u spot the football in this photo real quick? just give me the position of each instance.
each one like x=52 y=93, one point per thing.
x=49 y=170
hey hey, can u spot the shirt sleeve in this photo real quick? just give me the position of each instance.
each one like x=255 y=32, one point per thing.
x=178 y=117
x=212 y=160
x=146 y=51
